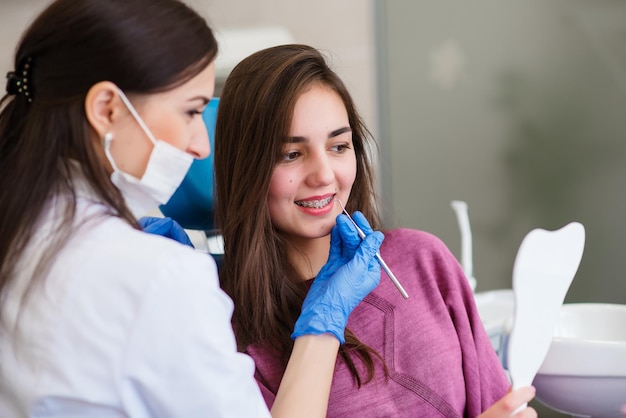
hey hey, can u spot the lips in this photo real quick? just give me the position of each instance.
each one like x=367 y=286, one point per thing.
x=315 y=203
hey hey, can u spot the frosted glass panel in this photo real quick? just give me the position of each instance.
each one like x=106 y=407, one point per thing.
x=518 y=108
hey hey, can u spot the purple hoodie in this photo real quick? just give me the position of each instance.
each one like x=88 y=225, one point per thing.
x=440 y=360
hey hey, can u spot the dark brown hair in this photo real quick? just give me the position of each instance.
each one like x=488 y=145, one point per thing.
x=254 y=117
x=143 y=46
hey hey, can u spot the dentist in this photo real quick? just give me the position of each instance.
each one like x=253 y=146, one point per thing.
x=99 y=125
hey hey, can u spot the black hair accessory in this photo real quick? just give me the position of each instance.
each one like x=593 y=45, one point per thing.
x=18 y=83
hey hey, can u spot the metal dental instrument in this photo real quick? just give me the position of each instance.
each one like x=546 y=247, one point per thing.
x=378 y=257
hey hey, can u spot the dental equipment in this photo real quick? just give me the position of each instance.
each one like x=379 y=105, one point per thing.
x=544 y=268
x=378 y=256
x=460 y=209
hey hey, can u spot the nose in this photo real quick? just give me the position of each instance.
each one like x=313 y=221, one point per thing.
x=200 y=147
x=321 y=171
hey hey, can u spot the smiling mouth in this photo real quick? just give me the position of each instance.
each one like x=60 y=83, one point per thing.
x=315 y=204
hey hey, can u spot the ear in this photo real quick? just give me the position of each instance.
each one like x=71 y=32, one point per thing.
x=102 y=106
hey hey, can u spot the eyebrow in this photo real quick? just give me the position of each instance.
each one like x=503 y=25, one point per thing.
x=204 y=99
x=332 y=134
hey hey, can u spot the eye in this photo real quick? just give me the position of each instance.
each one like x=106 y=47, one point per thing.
x=340 y=148
x=194 y=112
x=290 y=156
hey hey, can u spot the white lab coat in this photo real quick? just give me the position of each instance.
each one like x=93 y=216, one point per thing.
x=126 y=324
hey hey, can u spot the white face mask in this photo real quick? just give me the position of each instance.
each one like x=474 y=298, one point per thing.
x=166 y=169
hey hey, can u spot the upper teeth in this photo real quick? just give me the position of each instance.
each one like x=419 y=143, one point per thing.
x=314 y=203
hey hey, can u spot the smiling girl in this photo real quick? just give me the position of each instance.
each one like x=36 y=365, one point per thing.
x=289 y=144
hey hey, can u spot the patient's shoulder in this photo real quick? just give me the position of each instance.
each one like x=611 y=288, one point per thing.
x=402 y=238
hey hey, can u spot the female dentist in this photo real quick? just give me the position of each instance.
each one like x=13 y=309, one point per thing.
x=99 y=125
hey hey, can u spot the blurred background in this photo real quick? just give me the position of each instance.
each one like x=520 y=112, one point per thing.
x=517 y=108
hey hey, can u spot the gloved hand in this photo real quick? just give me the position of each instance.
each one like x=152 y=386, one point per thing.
x=166 y=227
x=352 y=271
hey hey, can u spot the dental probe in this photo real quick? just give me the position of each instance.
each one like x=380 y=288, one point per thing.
x=378 y=256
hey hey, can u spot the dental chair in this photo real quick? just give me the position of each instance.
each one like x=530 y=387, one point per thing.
x=192 y=206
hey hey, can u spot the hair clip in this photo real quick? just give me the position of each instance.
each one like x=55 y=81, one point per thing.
x=13 y=83
x=18 y=83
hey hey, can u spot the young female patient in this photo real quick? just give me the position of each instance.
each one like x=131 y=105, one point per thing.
x=290 y=145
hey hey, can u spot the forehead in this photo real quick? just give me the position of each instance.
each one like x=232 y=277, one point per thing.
x=317 y=107
x=317 y=89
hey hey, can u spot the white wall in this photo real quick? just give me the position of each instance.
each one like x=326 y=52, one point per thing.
x=15 y=15
x=344 y=29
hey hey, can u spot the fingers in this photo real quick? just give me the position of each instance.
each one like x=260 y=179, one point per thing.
x=349 y=234
x=349 y=231
x=364 y=258
x=362 y=222
x=370 y=245
x=513 y=405
x=520 y=396
x=153 y=222
x=347 y=228
x=526 y=413
x=361 y=274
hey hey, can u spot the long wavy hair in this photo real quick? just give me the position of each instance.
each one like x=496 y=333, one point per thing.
x=143 y=46
x=254 y=117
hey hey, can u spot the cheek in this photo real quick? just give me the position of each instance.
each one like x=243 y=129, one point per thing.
x=172 y=131
x=283 y=183
x=131 y=150
x=346 y=174
x=279 y=191
x=177 y=137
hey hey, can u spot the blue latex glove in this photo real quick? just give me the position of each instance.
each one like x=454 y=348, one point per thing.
x=166 y=227
x=352 y=271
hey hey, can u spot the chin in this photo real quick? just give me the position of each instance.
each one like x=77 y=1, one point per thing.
x=322 y=232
